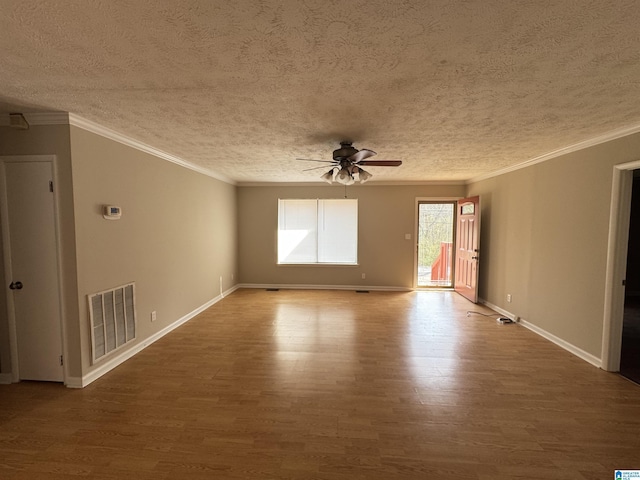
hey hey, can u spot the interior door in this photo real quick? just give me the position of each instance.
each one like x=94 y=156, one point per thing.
x=33 y=266
x=467 y=248
x=630 y=348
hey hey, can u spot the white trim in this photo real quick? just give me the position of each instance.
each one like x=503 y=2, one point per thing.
x=93 y=127
x=324 y=287
x=501 y=311
x=578 y=352
x=64 y=118
x=617 y=247
x=6 y=378
x=73 y=382
x=36 y=119
x=371 y=183
x=130 y=352
x=591 y=142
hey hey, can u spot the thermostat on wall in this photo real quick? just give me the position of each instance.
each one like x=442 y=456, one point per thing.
x=111 y=212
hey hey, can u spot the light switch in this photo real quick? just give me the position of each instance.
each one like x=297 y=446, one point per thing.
x=407 y=236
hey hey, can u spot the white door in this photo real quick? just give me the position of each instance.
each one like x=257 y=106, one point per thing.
x=33 y=268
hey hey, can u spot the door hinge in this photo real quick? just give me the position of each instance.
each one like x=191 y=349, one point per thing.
x=51 y=185
x=61 y=361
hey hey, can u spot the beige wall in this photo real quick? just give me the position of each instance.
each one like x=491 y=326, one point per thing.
x=176 y=237
x=385 y=213
x=49 y=140
x=544 y=240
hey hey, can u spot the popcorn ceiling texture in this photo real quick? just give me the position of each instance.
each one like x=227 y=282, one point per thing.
x=455 y=89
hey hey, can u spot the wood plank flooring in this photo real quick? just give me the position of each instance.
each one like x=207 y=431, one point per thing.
x=331 y=385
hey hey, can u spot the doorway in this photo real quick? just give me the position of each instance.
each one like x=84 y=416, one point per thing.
x=436 y=220
x=630 y=349
x=29 y=240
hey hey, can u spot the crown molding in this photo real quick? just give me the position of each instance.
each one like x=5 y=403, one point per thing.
x=93 y=127
x=64 y=118
x=591 y=142
x=37 y=119
x=416 y=183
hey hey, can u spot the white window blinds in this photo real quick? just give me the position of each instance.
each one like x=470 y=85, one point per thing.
x=318 y=231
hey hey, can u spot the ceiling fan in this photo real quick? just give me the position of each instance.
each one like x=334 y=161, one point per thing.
x=347 y=164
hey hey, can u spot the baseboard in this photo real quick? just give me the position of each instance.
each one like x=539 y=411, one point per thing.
x=6 y=378
x=324 y=287
x=73 y=382
x=578 y=352
x=501 y=311
x=109 y=365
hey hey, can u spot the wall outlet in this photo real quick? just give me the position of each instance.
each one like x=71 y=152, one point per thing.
x=508 y=298
x=153 y=316
x=364 y=275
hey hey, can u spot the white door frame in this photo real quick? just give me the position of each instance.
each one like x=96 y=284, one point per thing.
x=6 y=244
x=619 y=216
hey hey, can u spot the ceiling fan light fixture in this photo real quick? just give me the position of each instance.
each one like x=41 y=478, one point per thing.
x=363 y=176
x=328 y=177
x=344 y=177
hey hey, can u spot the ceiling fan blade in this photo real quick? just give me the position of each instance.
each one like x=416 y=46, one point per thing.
x=361 y=155
x=381 y=163
x=315 y=168
x=312 y=160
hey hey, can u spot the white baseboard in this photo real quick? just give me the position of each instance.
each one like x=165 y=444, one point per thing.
x=6 y=378
x=578 y=352
x=325 y=287
x=501 y=311
x=74 y=382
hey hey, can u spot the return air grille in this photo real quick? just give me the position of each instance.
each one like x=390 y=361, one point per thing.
x=113 y=319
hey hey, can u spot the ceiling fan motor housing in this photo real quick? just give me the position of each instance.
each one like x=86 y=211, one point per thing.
x=344 y=152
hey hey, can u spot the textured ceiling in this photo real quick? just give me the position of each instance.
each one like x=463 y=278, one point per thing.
x=455 y=89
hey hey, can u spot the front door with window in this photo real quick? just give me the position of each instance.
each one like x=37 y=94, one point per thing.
x=467 y=248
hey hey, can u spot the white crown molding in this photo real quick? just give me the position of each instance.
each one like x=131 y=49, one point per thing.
x=416 y=183
x=93 y=127
x=64 y=118
x=36 y=119
x=47 y=118
x=591 y=142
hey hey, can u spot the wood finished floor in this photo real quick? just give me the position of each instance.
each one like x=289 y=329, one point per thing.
x=331 y=385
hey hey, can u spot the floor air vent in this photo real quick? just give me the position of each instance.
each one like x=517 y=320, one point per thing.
x=113 y=319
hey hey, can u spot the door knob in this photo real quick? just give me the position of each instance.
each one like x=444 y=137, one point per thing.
x=16 y=286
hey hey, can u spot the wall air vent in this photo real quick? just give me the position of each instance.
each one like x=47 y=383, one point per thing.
x=113 y=320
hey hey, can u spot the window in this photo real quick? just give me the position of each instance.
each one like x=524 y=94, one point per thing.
x=318 y=231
